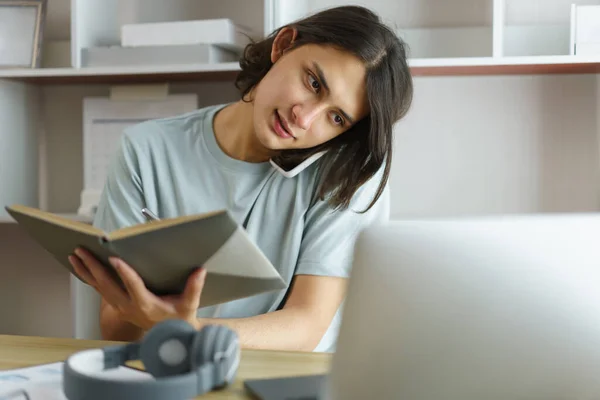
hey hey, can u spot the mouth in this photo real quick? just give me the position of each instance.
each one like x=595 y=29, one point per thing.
x=281 y=127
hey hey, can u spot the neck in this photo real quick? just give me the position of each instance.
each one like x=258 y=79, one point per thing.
x=234 y=131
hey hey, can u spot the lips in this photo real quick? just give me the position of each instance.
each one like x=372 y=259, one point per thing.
x=281 y=127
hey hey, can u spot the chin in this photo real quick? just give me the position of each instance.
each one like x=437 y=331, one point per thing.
x=266 y=138
x=271 y=144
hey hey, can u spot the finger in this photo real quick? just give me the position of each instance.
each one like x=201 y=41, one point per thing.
x=106 y=285
x=134 y=284
x=91 y=263
x=81 y=271
x=193 y=290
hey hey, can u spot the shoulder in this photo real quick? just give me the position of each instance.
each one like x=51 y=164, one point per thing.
x=329 y=233
x=168 y=131
x=366 y=193
x=362 y=197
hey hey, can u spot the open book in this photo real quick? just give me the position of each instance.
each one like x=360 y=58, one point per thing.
x=165 y=252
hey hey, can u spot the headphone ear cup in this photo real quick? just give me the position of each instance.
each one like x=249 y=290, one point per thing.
x=227 y=349
x=165 y=349
x=203 y=345
x=215 y=343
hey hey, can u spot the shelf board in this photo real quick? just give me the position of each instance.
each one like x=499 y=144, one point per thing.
x=188 y=72
x=227 y=71
x=7 y=219
x=564 y=64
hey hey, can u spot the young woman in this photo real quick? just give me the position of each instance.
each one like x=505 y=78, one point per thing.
x=334 y=82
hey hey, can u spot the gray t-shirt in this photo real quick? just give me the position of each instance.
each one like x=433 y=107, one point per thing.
x=174 y=166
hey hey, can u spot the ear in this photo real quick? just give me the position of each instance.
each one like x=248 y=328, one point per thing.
x=282 y=42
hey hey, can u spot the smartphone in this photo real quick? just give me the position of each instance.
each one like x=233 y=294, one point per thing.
x=300 y=167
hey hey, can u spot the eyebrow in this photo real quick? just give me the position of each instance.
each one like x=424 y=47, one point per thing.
x=321 y=76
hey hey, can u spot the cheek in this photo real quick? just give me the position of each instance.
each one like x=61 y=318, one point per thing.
x=265 y=91
x=277 y=87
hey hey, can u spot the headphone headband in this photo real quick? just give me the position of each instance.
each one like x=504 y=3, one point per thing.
x=204 y=372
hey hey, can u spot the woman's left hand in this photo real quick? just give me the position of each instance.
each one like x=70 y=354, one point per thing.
x=137 y=304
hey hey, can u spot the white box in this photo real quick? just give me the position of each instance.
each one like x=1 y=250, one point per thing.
x=585 y=28
x=221 y=32
x=588 y=49
x=156 y=55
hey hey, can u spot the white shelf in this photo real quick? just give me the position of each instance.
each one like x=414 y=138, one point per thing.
x=518 y=60
x=75 y=217
x=196 y=72
x=505 y=65
x=228 y=71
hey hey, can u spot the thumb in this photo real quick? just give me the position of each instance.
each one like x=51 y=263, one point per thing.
x=193 y=290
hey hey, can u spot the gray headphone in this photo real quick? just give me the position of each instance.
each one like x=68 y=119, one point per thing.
x=184 y=362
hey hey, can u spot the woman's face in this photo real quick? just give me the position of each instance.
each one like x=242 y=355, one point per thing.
x=311 y=94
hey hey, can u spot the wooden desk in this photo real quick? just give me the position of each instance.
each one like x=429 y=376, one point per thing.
x=24 y=351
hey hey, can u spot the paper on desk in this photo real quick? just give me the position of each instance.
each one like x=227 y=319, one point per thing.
x=45 y=381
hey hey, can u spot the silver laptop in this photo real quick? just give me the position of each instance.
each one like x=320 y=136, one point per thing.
x=484 y=308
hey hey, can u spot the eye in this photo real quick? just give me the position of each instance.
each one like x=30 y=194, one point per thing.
x=338 y=120
x=314 y=83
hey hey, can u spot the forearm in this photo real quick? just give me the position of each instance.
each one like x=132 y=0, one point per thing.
x=287 y=329
x=113 y=327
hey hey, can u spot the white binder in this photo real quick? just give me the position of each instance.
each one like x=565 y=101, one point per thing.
x=104 y=120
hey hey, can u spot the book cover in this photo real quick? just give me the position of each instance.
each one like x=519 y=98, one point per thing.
x=165 y=252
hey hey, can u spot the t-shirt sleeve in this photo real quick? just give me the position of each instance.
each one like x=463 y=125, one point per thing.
x=121 y=200
x=327 y=246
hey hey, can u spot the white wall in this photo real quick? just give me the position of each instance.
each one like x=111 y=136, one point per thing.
x=18 y=142
x=482 y=145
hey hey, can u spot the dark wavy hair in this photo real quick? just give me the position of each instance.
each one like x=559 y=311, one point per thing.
x=353 y=157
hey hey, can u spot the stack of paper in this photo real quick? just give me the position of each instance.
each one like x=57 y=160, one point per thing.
x=44 y=382
x=221 y=32
x=179 y=42
x=117 y=56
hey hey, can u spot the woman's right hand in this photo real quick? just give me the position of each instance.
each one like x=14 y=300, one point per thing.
x=134 y=303
x=114 y=327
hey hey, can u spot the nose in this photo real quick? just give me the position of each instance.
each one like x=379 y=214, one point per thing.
x=305 y=114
